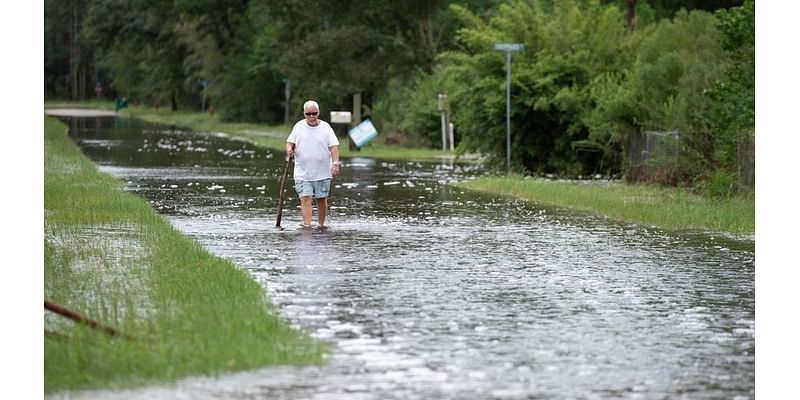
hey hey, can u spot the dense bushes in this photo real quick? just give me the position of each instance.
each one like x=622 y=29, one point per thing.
x=585 y=92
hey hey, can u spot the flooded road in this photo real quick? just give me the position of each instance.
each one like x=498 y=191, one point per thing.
x=425 y=291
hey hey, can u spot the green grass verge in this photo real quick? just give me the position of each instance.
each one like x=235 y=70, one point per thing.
x=668 y=208
x=109 y=256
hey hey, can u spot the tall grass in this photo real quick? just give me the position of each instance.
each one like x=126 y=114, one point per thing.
x=669 y=208
x=109 y=256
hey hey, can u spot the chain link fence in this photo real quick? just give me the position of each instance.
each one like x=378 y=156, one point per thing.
x=746 y=161
x=653 y=156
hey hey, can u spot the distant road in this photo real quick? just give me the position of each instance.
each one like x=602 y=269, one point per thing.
x=79 y=112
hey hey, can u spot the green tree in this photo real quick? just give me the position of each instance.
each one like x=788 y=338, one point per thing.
x=677 y=61
x=68 y=70
x=732 y=114
x=334 y=49
x=56 y=49
x=135 y=41
x=567 y=45
x=221 y=38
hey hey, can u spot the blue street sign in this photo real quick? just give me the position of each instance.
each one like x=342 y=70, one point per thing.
x=509 y=46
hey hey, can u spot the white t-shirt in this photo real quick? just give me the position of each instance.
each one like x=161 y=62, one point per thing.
x=312 y=156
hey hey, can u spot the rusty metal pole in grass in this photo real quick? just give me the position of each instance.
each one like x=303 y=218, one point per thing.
x=77 y=317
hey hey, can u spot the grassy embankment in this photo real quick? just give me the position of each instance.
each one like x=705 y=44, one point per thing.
x=109 y=256
x=668 y=208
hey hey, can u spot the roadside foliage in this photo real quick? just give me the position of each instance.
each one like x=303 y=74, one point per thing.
x=661 y=92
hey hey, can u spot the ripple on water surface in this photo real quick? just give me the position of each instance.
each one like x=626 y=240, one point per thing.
x=426 y=292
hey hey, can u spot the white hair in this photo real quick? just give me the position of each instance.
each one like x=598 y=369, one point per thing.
x=309 y=104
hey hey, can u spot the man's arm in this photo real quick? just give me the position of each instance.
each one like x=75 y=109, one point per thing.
x=335 y=158
x=289 y=149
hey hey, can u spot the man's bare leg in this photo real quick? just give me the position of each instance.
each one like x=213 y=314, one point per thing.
x=322 y=211
x=305 y=210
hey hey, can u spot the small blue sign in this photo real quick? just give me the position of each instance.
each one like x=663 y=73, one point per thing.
x=363 y=133
x=509 y=46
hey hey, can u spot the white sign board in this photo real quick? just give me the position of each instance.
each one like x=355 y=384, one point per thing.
x=363 y=133
x=341 y=117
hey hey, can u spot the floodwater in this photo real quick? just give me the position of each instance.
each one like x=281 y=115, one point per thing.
x=425 y=291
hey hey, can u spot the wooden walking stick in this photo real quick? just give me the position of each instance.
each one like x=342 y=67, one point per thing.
x=283 y=185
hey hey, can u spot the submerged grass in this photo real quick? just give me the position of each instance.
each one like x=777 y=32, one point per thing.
x=109 y=256
x=274 y=136
x=668 y=208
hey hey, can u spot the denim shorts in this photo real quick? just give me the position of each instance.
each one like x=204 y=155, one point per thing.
x=317 y=189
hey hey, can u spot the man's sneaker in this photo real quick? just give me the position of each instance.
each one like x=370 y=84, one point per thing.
x=305 y=226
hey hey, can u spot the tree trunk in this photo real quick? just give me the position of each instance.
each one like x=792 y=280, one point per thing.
x=426 y=34
x=630 y=17
x=356 y=120
x=82 y=84
x=73 y=50
x=174 y=99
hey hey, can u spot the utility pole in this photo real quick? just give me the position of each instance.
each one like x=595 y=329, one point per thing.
x=508 y=48
x=356 y=120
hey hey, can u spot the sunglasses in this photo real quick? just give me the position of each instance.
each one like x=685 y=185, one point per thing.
x=311 y=114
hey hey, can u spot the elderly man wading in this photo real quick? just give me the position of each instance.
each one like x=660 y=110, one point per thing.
x=316 y=152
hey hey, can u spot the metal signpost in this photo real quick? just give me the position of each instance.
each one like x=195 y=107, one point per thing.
x=508 y=48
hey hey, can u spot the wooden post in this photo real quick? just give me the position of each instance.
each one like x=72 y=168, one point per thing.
x=356 y=119
x=450 y=131
x=442 y=106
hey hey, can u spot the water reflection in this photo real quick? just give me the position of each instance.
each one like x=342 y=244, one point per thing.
x=428 y=292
